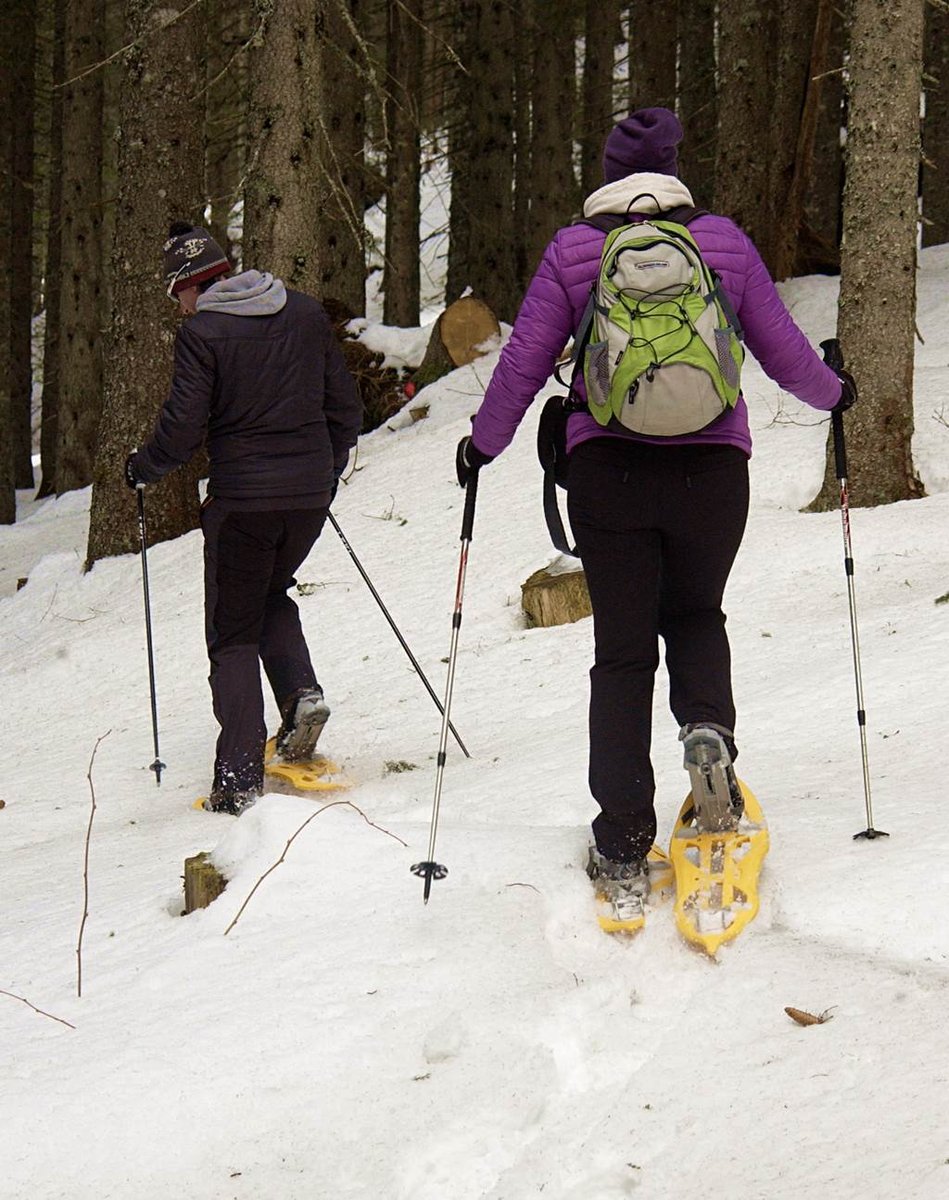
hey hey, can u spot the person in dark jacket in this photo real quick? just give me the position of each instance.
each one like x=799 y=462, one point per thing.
x=259 y=374
x=657 y=522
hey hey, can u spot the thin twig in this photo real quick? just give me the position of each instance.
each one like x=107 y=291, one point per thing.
x=826 y=74
x=254 y=37
x=23 y=1000
x=131 y=46
x=294 y=836
x=85 y=866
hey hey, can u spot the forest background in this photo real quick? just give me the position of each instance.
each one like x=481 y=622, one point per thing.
x=822 y=128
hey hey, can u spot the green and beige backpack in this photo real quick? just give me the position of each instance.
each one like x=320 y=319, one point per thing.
x=663 y=348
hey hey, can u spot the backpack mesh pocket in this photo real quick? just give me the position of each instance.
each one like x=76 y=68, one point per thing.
x=726 y=360
x=597 y=373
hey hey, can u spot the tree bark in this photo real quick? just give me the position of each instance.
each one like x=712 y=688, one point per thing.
x=403 y=165
x=81 y=310
x=303 y=201
x=553 y=184
x=523 y=16
x=745 y=66
x=652 y=55
x=804 y=43
x=936 y=128
x=161 y=158
x=52 y=272
x=876 y=322
x=601 y=32
x=228 y=30
x=21 y=27
x=459 y=153
x=345 y=67
x=698 y=99
x=7 y=100
x=489 y=102
x=285 y=184
x=820 y=244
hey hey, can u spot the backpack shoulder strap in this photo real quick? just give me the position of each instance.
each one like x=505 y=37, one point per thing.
x=552 y=452
x=607 y=222
x=683 y=215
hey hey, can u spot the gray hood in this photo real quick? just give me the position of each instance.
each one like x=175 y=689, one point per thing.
x=250 y=294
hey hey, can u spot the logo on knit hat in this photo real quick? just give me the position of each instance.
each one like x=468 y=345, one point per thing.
x=191 y=257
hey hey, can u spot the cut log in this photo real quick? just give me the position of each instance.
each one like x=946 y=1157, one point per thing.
x=556 y=595
x=463 y=332
x=203 y=882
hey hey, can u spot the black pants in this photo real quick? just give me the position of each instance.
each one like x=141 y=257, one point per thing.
x=249 y=561
x=658 y=528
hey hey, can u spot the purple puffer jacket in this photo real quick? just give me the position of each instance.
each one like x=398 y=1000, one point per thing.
x=553 y=308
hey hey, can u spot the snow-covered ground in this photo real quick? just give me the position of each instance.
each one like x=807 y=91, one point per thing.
x=345 y=1041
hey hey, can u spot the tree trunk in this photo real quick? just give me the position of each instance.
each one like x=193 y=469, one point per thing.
x=489 y=95
x=820 y=243
x=652 y=55
x=745 y=66
x=403 y=166
x=698 y=99
x=21 y=27
x=113 y=76
x=342 y=125
x=7 y=101
x=876 y=322
x=461 y=147
x=523 y=16
x=285 y=185
x=227 y=30
x=49 y=418
x=553 y=184
x=303 y=206
x=936 y=129
x=437 y=66
x=601 y=32
x=161 y=159
x=81 y=301
x=803 y=59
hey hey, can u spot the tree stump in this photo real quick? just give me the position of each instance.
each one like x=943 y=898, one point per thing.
x=556 y=595
x=457 y=338
x=203 y=882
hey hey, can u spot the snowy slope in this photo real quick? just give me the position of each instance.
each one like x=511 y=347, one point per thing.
x=345 y=1041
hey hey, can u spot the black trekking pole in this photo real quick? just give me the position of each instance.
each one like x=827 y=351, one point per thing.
x=431 y=869
x=835 y=360
x=157 y=766
x=395 y=629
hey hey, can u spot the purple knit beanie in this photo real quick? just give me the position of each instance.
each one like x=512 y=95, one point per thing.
x=645 y=141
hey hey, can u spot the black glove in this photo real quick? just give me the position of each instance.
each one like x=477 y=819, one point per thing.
x=848 y=391
x=334 y=489
x=469 y=460
x=131 y=478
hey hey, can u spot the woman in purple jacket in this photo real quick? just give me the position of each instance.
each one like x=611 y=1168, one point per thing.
x=657 y=523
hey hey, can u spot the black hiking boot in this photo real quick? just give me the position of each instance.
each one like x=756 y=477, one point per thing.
x=304 y=715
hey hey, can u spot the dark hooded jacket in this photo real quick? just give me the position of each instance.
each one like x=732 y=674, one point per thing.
x=258 y=372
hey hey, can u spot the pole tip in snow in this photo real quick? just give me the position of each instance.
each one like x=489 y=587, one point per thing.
x=869 y=834
x=428 y=871
x=157 y=766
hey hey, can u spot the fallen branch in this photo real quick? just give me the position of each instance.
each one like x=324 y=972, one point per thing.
x=292 y=839
x=85 y=866
x=23 y=1000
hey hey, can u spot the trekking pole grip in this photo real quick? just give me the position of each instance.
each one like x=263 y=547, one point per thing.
x=834 y=358
x=471 y=495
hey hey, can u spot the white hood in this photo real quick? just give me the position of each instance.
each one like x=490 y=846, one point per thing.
x=642 y=192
